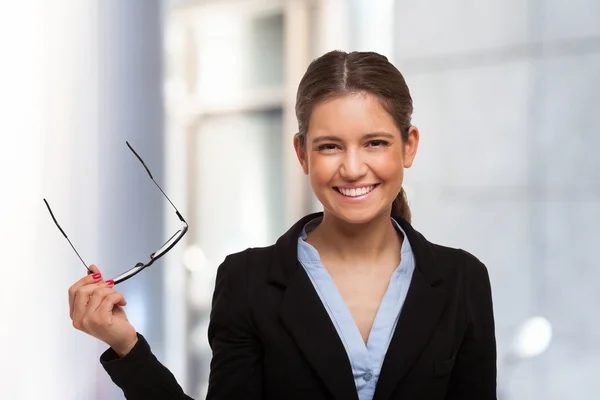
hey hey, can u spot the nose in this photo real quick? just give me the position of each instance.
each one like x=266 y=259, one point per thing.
x=353 y=166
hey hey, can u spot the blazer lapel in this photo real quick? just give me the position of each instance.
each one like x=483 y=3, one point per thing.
x=422 y=310
x=306 y=319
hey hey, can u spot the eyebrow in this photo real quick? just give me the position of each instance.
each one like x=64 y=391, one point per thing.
x=370 y=135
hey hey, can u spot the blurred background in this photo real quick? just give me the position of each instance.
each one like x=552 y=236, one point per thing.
x=506 y=99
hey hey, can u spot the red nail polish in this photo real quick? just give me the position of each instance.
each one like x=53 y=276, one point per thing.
x=110 y=282
x=96 y=276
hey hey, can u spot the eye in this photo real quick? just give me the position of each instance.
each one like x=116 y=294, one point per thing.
x=378 y=143
x=327 y=147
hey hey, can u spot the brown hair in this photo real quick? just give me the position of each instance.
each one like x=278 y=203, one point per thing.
x=339 y=73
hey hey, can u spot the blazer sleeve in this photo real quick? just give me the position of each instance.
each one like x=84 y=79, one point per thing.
x=474 y=372
x=140 y=375
x=236 y=365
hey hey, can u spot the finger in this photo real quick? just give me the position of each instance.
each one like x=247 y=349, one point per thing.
x=110 y=302
x=95 y=322
x=98 y=296
x=86 y=280
x=81 y=300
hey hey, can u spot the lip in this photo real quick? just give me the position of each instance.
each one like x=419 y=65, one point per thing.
x=356 y=186
x=357 y=199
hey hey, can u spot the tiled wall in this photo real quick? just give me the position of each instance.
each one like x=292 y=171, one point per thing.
x=506 y=96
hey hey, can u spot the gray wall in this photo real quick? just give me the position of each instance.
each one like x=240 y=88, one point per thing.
x=130 y=108
x=506 y=97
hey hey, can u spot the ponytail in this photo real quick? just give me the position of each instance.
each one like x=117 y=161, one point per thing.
x=400 y=206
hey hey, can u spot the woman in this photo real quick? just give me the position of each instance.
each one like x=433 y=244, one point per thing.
x=351 y=303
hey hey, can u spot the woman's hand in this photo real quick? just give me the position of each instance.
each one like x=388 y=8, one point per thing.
x=96 y=309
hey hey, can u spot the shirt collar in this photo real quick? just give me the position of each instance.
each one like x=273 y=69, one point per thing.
x=307 y=253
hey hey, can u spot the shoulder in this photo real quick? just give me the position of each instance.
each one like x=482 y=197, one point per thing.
x=251 y=255
x=458 y=256
x=442 y=262
x=473 y=266
x=236 y=279
x=441 y=255
x=463 y=268
x=464 y=276
x=456 y=262
x=237 y=265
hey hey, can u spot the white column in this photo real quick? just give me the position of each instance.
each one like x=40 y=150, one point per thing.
x=78 y=79
x=297 y=57
x=42 y=115
x=333 y=28
x=373 y=26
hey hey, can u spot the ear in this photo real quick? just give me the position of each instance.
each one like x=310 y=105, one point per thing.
x=301 y=154
x=411 y=146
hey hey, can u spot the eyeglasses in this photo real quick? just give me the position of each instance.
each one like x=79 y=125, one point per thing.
x=164 y=249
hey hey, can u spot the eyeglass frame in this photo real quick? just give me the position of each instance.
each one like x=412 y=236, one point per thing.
x=139 y=267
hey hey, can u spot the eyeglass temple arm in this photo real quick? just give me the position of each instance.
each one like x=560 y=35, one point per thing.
x=140 y=158
x=157 y=185
x=180 y=217
x=66 y=237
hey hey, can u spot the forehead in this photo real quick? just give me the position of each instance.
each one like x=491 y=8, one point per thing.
x=350 y=114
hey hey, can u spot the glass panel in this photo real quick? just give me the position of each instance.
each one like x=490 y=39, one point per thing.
x=238 y=185
x=265 y=43
x=236 y=202
x=237 y=55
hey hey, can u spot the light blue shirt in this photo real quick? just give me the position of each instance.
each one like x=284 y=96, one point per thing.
x=366 y=360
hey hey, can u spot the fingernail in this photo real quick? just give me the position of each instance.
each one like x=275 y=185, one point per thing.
x=96 y=276
x=110 y=282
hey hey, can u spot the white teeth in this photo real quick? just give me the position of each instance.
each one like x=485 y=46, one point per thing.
x=356 y=192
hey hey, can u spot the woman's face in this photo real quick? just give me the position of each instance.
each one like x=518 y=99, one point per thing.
x=355 y=157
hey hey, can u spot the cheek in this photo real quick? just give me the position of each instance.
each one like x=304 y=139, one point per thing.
x=321 y=169
x=390 y=167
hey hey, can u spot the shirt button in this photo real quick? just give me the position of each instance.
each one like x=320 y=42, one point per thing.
x=368 y=376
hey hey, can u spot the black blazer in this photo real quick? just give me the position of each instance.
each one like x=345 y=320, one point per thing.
x=272 y=338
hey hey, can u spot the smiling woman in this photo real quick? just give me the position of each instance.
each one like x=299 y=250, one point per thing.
x=350 y=303
x=365 y=88
x=352 y=144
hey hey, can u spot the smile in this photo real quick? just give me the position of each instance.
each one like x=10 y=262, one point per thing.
x=356 y=192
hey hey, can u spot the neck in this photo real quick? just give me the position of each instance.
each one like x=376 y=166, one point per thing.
x=355 y=242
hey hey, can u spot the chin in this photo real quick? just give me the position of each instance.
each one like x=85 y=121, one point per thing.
x=356 y=216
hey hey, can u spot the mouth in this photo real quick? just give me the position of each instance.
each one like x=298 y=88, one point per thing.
x=356 y=192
